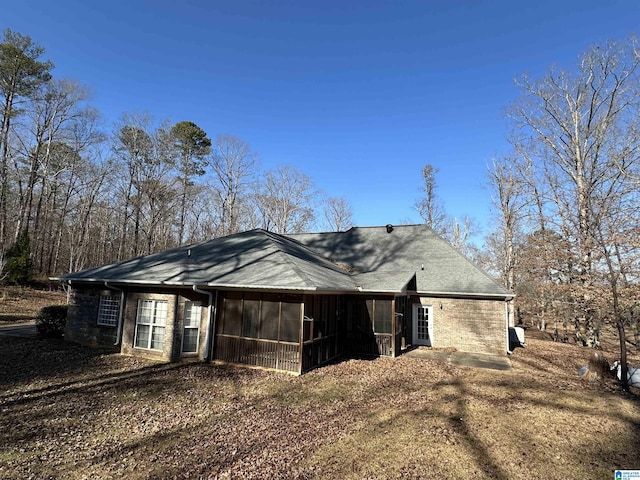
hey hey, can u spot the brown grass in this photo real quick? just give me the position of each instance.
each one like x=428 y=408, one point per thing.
x=73 y=412
x=22 y=304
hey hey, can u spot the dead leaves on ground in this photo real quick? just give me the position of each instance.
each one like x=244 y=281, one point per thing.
x=72 y=412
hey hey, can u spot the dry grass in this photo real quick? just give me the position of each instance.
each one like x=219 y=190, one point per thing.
x=72 y=412
x=20 y=303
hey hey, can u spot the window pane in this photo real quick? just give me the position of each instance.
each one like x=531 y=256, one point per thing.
x=142 y=336
x=269 y=320
x=192 y=314
x=290 y=322
x=161 y=313
x=250 y=318
x=383 y=316
x=145 y=311
x=232 y=316
x=157 y=338
x=369 y=314
x=108 y=310
x=190 y=340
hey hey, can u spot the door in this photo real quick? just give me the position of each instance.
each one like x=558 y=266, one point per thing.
x=422 y=324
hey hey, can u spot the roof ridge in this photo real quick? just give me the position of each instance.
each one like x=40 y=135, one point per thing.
x=326 y=262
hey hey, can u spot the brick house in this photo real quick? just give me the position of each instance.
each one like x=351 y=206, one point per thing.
x=291 y=302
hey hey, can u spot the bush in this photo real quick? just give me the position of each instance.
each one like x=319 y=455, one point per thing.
x=51 y=320
x=18 y=266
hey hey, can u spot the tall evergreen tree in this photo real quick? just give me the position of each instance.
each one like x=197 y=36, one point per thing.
x=192 y=147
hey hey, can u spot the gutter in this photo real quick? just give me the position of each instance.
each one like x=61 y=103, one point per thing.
x=506 y=296
x=120 y=312
x=211 y=324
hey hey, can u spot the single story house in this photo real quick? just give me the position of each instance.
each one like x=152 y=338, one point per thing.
x=291 y=302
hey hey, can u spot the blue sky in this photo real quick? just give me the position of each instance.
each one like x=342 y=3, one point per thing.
x=358 y=95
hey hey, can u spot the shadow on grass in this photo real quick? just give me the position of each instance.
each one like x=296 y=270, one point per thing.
x=489 y=465
x=27 y=359
x=250 y=418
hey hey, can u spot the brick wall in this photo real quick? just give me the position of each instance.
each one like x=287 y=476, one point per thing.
x=469 y=325
x=173 y=332
x=82 y=319
x=82 y=322
x=179 y=325
x=129 y=328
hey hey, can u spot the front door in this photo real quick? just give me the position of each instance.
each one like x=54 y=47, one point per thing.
x=422 y=324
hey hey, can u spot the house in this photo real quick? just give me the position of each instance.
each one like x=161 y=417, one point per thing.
x=291 y=302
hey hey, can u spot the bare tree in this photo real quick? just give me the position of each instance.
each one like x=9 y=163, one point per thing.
x=460 y=234
x=338 y=214
x=285 y=199
x=508 y=201
x=429 y=205
x=20 y=74
x=143 y=185
x=56 y=108
x=579 y=131
x=234 y=167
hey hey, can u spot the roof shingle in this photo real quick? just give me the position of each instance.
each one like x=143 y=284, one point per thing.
x=360 y=259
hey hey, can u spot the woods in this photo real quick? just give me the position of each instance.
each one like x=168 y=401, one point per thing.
x=81 y=194
x=567 y=197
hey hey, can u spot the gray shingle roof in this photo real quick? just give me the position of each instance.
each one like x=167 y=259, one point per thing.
x=440 y=269
x=253 y=259
x=360 y=259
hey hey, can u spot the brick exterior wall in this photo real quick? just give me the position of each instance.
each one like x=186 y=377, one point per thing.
x=129 y=327
x=82 y=322
x=82 y=319
x=469 y=325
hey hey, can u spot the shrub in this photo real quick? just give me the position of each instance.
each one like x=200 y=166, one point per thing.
x=17 y=262
x=51 y=320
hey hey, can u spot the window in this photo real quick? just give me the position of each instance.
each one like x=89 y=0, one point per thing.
x=150 y=322
x=261 y=316
x=269 y=314
x=191 y=331
x=232 y=311
x=108 y=310
x=250 y=318
x=290 y=322
x=382 y=317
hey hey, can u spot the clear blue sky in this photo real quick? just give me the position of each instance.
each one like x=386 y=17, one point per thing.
x=358 y=95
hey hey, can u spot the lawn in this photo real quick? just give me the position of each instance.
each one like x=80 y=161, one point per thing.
x=20 y=303
x=73 y=412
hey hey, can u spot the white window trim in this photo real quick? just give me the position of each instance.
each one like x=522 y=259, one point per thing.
x=108 y=310
x=197 y=327
x=153 y=325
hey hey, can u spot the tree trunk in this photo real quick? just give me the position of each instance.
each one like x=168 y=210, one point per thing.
x=624 y=381
x=4 y=163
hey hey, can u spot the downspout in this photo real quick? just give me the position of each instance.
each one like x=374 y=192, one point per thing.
x=211 y=324
x=506 y=322
x=69 y=292
x=120 y=312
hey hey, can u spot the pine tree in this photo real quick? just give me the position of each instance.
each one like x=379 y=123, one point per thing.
x=17 y=269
